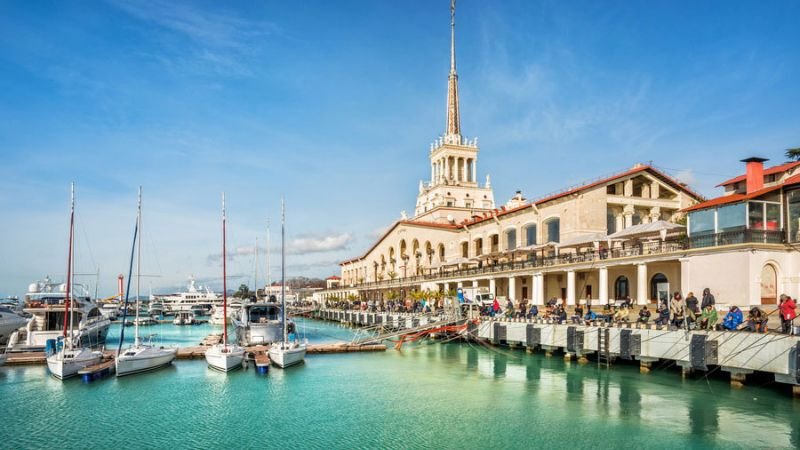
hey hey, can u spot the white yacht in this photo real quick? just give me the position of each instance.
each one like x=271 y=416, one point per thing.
x=10 y=321
x=156 y=308
x=110 y=310
x=184 y=318
x=68 y=361
x=45 y=303
x=218 y=312
x=258 y=324
x=184 y=301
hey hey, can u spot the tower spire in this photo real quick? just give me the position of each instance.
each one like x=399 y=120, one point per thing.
x=453 y=125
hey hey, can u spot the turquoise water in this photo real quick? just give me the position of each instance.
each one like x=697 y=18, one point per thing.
x=427 y=396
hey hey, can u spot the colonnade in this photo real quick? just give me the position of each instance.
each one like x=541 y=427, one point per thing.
x=453 y=168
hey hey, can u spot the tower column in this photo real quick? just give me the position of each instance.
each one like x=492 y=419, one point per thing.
x=464 y=176
x=474 y=171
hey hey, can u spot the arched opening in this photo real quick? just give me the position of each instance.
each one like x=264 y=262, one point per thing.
x=621 y=287
x=511 y=239
x=465 y=249
x=429 y=252
x=659 y=288
x=553 y=229
x=440 y=249
x=494 y=243
x=769 y=285
x=478 y=247
x=530 y=234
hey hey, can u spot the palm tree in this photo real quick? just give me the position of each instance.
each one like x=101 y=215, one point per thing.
x=793 y=154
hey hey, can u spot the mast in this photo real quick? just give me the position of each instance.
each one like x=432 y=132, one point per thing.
x=224 y=281
x=138 y=268
x=255 y=272
x=269 y=267
x=128 y=286
x=283 y=271
x=68 y=296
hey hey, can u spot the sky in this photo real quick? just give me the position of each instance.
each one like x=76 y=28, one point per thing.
x=333 y=106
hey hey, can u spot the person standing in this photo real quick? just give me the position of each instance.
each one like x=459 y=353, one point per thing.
x=787 y=308
x=708 y=299
x=677 y=310
x=692 y=309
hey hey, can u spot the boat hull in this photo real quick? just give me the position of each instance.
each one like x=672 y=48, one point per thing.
x=284 y=357
x=248 y=334
x=224 y=357
x=66 y=363
x=3 y=358
x=143 y=359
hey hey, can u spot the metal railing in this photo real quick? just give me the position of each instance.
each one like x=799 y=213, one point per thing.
x=592 y=255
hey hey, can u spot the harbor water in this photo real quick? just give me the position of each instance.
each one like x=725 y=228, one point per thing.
x=429 y=395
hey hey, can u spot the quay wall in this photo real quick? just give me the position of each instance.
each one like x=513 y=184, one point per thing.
x=739 y=353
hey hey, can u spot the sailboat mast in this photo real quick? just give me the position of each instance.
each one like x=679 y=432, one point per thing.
x=138 y=267
x=128 y=287
x=68 y=294
x=269 y=267
x=283 y=271
x=224 y=280
x=255 y=272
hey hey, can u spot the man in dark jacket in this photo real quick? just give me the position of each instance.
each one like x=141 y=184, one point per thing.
x=708 y=299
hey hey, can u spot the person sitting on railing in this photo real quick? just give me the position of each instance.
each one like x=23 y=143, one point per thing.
x=621 y=314
x=787 y=308
x=756 y=320
x=677 y=310
x=644 y=315
x=663 y=314
x=577 y=315
x=560 y=314
x=534 y=311
x=495 y=308
x=733 y=319
x=590 y=316
x=708 y=318
x=509 y=309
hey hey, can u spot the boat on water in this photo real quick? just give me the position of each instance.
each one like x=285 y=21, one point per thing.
x=141 y=356
x=141 y=321
x=184 y=318
x=201 y=297
x=285 y=353
x=258 y=323
x=156 y=309
x=66 y=356
x=110 y=310
x=10 y=321
x=224 y=356
x=45 y=301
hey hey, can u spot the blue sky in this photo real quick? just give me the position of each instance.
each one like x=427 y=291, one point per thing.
x=334 y=104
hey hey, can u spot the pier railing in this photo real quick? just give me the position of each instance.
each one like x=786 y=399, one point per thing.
x=508 y=262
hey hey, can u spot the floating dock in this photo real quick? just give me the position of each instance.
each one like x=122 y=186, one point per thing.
x=97 y=371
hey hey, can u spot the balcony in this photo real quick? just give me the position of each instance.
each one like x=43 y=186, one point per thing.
x=628 y=250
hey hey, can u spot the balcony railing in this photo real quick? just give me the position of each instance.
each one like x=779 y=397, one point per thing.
x=628 y=250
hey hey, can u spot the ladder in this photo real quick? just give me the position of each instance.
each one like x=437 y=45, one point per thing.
x=603 y=348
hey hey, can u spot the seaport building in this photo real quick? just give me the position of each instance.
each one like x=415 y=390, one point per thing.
x=638 y=234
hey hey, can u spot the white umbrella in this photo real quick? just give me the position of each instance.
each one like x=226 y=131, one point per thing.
x=659 y=228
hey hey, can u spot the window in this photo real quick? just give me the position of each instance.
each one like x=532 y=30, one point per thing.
x=621 y=288
x=701 y=221
x=773 y=216
x=478 y=247
x=465 y=249
x=659 y=288
x=755 y=215
x=467 y=204
x=731 y=217
x=449 y=203
x=793 y=199
x=611 y=222
x=553 y=227
x=530 y=230
x=511 y=239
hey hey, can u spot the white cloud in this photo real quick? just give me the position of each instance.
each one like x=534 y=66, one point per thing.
x=318 y=243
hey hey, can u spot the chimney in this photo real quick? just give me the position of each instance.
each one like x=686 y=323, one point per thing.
x=754 y=175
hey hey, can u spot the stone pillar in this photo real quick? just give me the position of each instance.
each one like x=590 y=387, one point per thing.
x=433 y=172
x=603 y=288
x=641 y=284
x=492 y=286
x=474 y=171
x=570 y=287
x=447 y=168
x=460 y=284
x=685 y=279
x=474 y=283
x=446 y=287
x=512 y=288
x=540 y=291
x=655 y=189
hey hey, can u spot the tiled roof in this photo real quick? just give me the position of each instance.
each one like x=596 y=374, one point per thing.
x=768 y=171
x=733 y=198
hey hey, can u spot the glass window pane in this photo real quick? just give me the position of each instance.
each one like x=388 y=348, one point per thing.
x=731 y=217
x=756 y=215
x=794 y=215
x=701 y=221
x=511 y=239
x=773 y=216
x=530 y=231
x=553 y=230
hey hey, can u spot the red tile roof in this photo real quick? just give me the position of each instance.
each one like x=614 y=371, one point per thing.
x=769 y=171
x=733 y=198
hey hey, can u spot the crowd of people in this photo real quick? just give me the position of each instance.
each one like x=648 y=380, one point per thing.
x=679 y=313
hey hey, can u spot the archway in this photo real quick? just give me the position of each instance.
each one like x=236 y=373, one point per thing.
x=659 y=287
x=621 y=287
x=769 y=285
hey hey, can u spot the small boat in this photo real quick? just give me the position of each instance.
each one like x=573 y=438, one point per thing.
x=10 y=321
x=285 y=353
x=224 y=357
x=110 y=310
x=66 y=360
x=140 y=357
x=200 y=310
x=184 y=318
x=217 y=316
x=156 y=309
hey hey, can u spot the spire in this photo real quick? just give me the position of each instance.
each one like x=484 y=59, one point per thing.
x=453 y=125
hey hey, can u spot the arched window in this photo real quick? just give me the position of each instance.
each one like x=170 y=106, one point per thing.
x=621 y=290
x=659 y=287
x=553 y=228
x=478 y=247
x=769 y=285
x=465 y=249
x=511 y=239
x=530 y=234
x=441 y=252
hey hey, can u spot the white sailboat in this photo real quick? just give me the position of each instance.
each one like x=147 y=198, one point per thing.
x=224 y=356
x=66 y=361
x=140 y=357
x=285 y=353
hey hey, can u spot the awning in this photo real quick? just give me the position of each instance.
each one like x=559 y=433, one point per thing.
x=659 y=228
x=583 y=240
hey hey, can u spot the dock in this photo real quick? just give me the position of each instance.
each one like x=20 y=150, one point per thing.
x=97 y=371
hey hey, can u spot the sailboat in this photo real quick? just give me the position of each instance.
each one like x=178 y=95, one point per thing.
x=224 y=356
x=285 y=353
x=67 y=360
x=139 y=357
